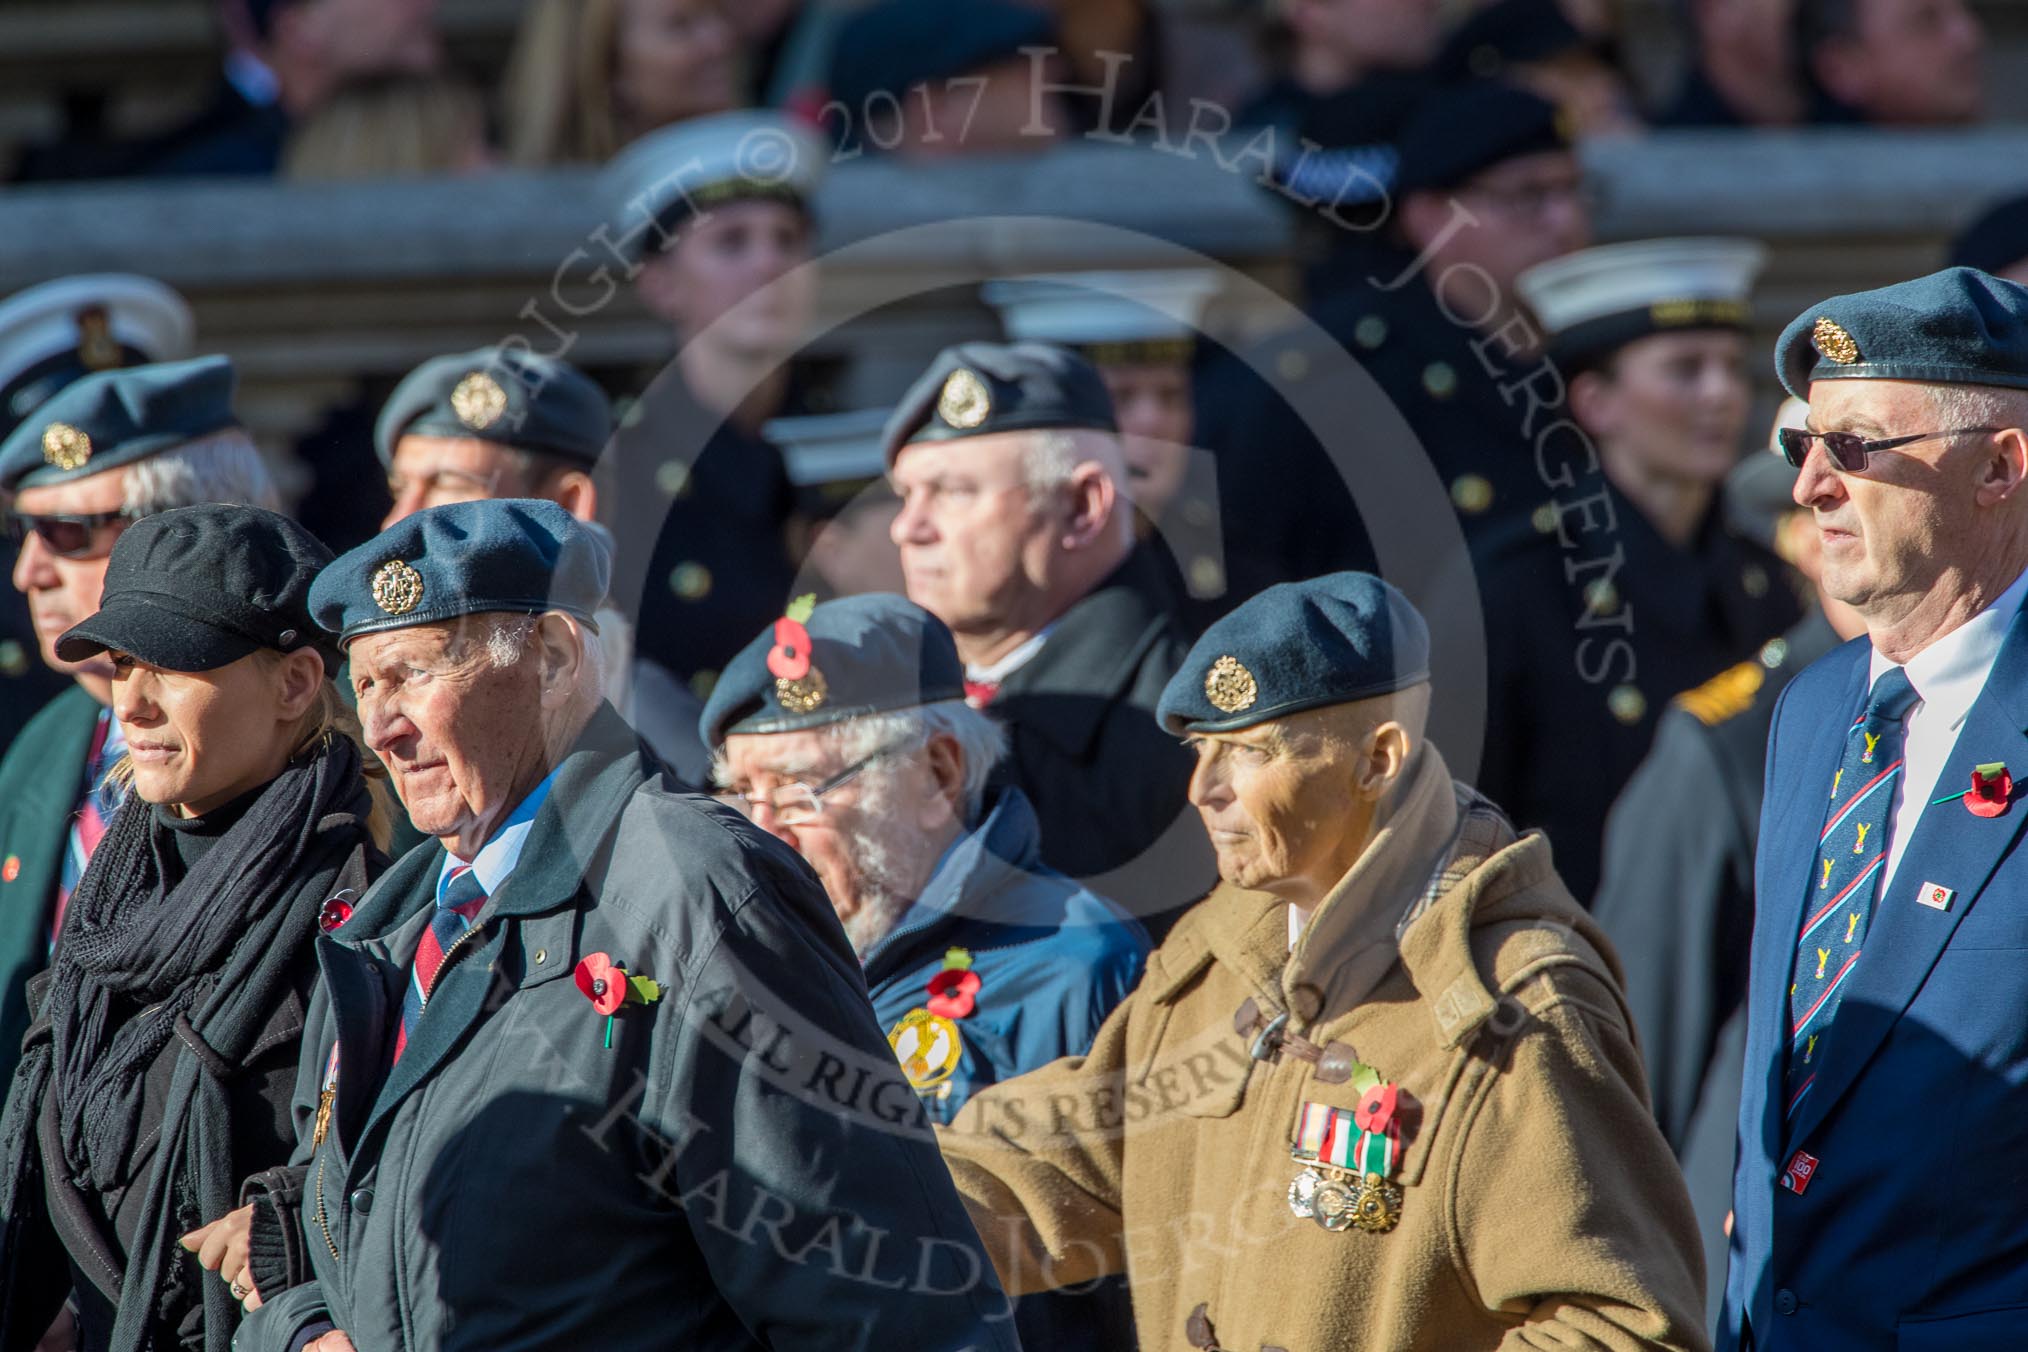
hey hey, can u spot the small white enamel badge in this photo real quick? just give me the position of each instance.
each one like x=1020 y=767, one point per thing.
x=1936 y=896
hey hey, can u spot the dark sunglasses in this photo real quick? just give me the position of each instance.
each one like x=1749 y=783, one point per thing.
x=1848 y=450
x=67 y=537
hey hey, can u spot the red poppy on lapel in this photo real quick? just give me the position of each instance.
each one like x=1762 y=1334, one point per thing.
x=604 y=984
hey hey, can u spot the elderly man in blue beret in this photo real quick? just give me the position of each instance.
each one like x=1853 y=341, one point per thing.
x=1380 y=1088
x=108 y=449
x=503 y=422
x=1015 y=530
x=982 y=962
x=1883 y=1101
x=597 y=1069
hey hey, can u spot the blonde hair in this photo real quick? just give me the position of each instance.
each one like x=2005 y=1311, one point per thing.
x=397 y=125
x=559 y=104
x=329 y=716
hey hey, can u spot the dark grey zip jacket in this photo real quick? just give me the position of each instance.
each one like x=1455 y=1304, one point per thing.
x=744 y=1165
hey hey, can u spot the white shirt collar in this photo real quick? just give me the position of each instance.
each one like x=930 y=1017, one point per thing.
x=1008 y=665
x=497 y=857
x=1949 y=674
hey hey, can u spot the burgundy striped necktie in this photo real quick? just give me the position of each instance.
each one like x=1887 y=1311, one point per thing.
x=88 y=824
x=456 y=907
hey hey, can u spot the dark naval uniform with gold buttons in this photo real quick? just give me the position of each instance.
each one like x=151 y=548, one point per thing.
x=702 y=536
x=1436 y=380
x=1594 y=619
x=1579 y=671
x=701 y=507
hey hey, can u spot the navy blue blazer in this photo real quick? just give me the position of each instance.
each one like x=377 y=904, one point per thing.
x=1911 y=1233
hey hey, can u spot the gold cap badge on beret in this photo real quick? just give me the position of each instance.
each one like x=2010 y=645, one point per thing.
x=65 y=447
x=1230 y=686
x=1833 y=342
x=805 y=694
x=965 y=401
x=397 y=588
x=478 y=401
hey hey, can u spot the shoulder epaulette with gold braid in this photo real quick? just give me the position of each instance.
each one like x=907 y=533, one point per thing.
x=1727 y=695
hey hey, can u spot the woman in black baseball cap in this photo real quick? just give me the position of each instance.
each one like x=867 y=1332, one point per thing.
x=159 y=1071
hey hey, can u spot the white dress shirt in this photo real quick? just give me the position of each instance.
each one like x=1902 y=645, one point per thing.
x=1948 y=676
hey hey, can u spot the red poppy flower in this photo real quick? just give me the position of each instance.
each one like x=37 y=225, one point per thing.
x=1376 y=1108
x=603 y=983
x=1990 y=793
x=335 y=912
x=952 y=992
x=790 y=657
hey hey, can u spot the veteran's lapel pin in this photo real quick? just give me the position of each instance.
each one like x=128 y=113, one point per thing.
x=1936 y=896
x=928 y=1047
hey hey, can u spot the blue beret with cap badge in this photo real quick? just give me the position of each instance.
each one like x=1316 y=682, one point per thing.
x=1303 y=645
x=1959 y=326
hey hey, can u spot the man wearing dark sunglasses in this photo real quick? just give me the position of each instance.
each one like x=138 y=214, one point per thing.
x=115 y=446
x=1886 y=1069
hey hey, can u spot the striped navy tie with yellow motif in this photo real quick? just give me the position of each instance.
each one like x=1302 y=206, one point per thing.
x=1851 y=856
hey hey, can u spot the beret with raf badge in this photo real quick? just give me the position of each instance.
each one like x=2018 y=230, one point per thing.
x=1955 y=327
x=196 y=588
x=977 y=389
x=522 y=556
x=113 y=418
x=504 y=395
x=1303 y=645
x=847 y=658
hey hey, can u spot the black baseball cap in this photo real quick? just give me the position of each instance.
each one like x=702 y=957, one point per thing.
x=196 y=588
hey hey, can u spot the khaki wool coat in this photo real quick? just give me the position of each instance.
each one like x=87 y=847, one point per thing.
x=1541 y=1207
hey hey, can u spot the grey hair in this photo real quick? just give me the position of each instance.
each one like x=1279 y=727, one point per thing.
x=505 y=637
x=982 y=741
x=223 y=466
x=1053 y=455
x=1958 y=406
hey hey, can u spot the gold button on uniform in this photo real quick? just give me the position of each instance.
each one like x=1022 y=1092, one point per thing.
x=1774 y=652
x=1601 y=597
x=1472 y=493
x=1439 y=380
x=541 y=956
x=690 y=580
x=1370 y=332
x=13 y=658
x=1206 y=577
x=1627 y=704
x=1754 y=578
